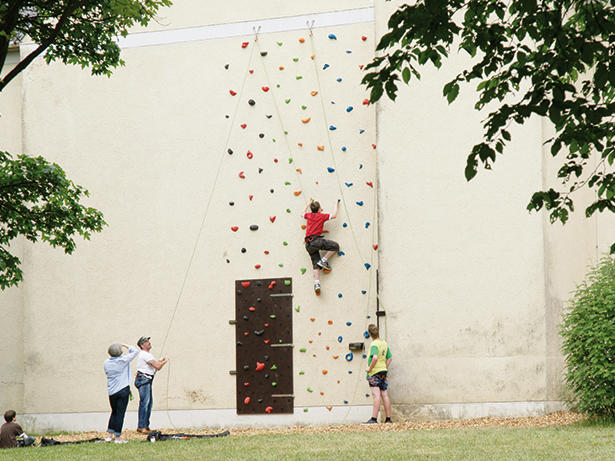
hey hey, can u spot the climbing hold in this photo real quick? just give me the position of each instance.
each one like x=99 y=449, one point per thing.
x=348 y=184
x=309 y=389
x=253 y=227
x=260 y=170
x=332 y=127
x=268 y=116
x=303 y=349
x=314 y=93
x=274 y=367
x=339 y=295
x=274 y=384
x=361 y=131
x=235 y=228
x=360 y=166
x=301 y=40
x=290 y=160
x=365 y=102
x=281 y=67
x=257 y=266
x=251 y=308
x=339 y=79
x=295 y=59
x=233 y=93
x=246 y=401
x=299 y=77
x=348 y=51
x=265 y=88
x=325 y=66
x=363 y=37
x=259 y=332
x=366 y=224
x=268 y=409
x=250 y=197
x=272 y=218
x=320 y=147
x=375 y=246
x=266 y=252
x=245 y=284
x=275 y=160
x=272 y=316
x=287 y=282
x=242 y=175
x=363 y=292
x=336 y=357
x=330 y=170
x=297 y=193
x=243 y=250
x=249 y=155
x=231 y=203
x=346 y=401
x=349 y=357
x=324 y=372
x=306 y=120
x=340 y=253
x=370 y=184
x=251 y=102
x=298 y=308
x=287 y=183
x=360 y=203
x=366 y=334
x=285 y=243
x=272 y=285
x=230 y=151
x=367 y=266
x=345 y=225
x=329 y=408
x=349 y=109
x=322 y=393
x=312 y=319
x=331 y=36
x=279 y=43
x=263 y=53
x=266 y=325
x=251 y=71
x=373 y=146
x=266 y=341
x=243 y=125
x=330 y=322
x=245 y=44
x=344 y=148
x=339 y=339
x=259 y=366
x=226 y=66
x=287 y=100
x=348 y=323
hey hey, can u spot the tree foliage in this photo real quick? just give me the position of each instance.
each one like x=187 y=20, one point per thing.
x=553 y=58
x=38 y=202
x=588 y=331
x=81 y=32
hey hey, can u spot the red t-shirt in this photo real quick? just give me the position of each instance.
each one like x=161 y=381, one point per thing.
x=315 y=223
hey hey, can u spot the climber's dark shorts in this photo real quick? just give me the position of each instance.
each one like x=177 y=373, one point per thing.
x=378 y=380
x=315 y=243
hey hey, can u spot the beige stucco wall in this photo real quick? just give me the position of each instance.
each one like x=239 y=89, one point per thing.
x=472 y=285
x=11 y=300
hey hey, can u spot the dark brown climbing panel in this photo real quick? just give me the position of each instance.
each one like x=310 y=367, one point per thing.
x=264 y=345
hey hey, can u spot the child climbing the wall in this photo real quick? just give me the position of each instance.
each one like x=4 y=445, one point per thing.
x=314 y=241
x=378 y=362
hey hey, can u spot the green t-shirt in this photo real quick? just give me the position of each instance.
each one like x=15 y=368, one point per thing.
x=379 y=349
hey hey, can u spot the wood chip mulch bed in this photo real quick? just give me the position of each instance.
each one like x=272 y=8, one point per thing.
x=560 y=418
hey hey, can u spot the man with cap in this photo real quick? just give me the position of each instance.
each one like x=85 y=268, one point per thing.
x=147 y=366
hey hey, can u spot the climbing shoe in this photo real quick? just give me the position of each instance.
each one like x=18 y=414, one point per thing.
x=317 y=288
x=324 y=265
x=371 y=421
x=388 y=420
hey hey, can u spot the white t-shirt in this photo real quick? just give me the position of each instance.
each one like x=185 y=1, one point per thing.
x=142 y=364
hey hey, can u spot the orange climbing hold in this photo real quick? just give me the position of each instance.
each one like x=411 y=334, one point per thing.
x=246 y=401
x=300 y=144
x=327 y=347
x=314 y=93
x=313 y=319
x=297 y=193
x=322 y=393
x=303 y=226
x=251 y=308
x=324 y=372
x=299 y=170
x=301 y=40
x=312 y=57
x=330 y=322
x=306 y=120
x=281 y=67
x=329 y=408
x=320 y=147
x=336 y=357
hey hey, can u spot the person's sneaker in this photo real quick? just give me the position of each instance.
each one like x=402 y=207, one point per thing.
x=108 y=439
x=371 y=421
x=388 y=420
x=143 y=430
x=324 y=265
x=317 y=288
x=120 y=441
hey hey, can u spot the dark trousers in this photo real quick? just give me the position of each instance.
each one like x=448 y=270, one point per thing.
x=119 y=403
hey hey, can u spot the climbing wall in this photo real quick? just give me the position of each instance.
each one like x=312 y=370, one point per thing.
x=297 y=125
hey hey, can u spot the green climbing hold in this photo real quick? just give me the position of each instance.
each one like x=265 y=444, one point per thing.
x=285 y=132
x=272 y=316
x=280 y=43
x=277 y=85
x=288 y=210
x=285 y=243
x=298 y=308
x=303 y=107
x=280 y=265
x=287 y=183
x=274 y=384
x=287 y=100
x=299 y=77
x=274 y=367
x=303 y=270
x=295 y=59
x=305 y=410
x=303 y=349
x=273 y=139
x=302 y=372
x=290 y=160
x=309 y=389
x=287 y=282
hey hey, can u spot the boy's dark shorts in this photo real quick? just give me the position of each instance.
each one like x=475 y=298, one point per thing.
x=378 y=380
x=314 y=246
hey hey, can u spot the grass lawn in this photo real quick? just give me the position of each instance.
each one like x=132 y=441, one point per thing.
x=581 y=441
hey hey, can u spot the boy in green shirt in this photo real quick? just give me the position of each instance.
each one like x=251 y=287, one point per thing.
x=378 y=361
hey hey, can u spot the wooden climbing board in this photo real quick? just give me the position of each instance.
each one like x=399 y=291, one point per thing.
x=264 y=346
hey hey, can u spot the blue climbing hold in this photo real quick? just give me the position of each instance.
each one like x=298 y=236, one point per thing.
x=348 y=184
x=330 y=170
x=348 y=51
x=363 y=292
x=349 y=109
x=349 y=372
x=346 y=401
x=348 y=323
x=339 y=79
x=360 y=203
x=349 y=357
x=364 y=356
x=361 y=131
x=339 y=295
x=332 y=127
x=332 y=37
x=325 y=66
x=345 y=225
x=367 y=224
x=339 y=339
x=340 y=253
x=360 y=166
x=367 y=266
x=344 y=149
x=366 y=334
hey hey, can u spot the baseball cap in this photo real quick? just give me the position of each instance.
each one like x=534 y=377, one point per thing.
x=143 y=339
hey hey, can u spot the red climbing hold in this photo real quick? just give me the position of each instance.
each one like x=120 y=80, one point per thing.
x=251 y=71
x=257 y=266
x=249 y=154
x=272 y=284
x=268 y=409
x=363 y=38
x=375 y=246
x=241 y=175
x=243 y=125
x=373 y=146
x=245 y=284
x=365 y=102
x=361 y=66
x=266 y=252
x=275 y=160
x=246 y=401
x=265 y=88
x=245 y=44
x=235 y=228
x=251 y=308
x=266 y=325
x=246 y=333
x=266 y=341
x=246 y=384
x=272 y=218
x=250 y=197
x=259 y=366
x=233 y=93
x=370 y=184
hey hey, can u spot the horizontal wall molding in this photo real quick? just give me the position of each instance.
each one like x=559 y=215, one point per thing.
x=236 y=29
